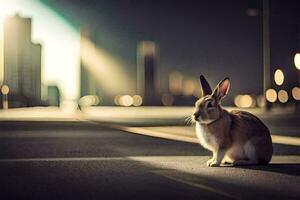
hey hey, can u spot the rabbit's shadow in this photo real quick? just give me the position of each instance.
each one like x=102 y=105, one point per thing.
x=283 y=168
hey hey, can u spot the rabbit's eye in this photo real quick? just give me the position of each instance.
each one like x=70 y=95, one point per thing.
x=209 y=105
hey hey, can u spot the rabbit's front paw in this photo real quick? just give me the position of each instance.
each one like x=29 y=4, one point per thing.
x=212 y=162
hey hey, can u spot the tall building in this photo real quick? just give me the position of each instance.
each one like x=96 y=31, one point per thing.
x=147 y=72
x=22 y=63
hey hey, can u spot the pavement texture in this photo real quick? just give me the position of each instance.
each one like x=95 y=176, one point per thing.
x=77 y=159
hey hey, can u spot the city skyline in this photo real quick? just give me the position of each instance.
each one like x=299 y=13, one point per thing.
x=22 y=63
x=213 y=38
x=107 y=53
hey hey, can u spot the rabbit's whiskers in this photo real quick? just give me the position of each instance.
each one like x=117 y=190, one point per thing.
x=189 y=120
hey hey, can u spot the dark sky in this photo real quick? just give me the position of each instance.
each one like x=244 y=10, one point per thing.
x=216 y=37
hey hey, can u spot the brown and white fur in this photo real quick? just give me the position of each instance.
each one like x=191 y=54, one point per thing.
x=236 y=137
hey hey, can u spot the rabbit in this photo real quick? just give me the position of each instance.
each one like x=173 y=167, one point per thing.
x=236 y=137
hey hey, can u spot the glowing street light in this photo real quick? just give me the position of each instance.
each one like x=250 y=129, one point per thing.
x=126 y=100
x=137 y=100
x=271 y=95
x=5 y=91
x=283 y=96
x=296 y=93
x=244 y=101
x=278 y=77
x=297 y=60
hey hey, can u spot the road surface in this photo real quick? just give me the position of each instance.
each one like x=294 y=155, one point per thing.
x=83 y=160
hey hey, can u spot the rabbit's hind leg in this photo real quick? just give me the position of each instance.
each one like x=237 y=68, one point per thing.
x=244 y=162
x=250 y=153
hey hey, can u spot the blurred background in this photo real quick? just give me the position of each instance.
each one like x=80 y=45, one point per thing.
x=73 y=54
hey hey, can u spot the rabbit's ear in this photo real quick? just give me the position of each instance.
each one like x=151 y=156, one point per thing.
x=222 y=89
x=206 y=89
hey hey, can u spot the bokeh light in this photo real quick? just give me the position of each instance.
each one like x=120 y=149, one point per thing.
x=125 y=100
x=189 y=87
x=297 y=60
x=244 y=101
x=4 y=89
x=283 y=96
x=89 y=100
x=167 y=99
x=296 y=93
x=261 y=101
x=175 y=82
x=197 y=92
x=116 y=100
x=271 y=95
x=137 y=100
x=279 y=77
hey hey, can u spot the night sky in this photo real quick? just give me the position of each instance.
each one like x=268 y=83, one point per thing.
x=215 y=38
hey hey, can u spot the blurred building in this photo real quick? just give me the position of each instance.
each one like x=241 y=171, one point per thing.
x=53 y=96
x=22 y=63
x=147 y=72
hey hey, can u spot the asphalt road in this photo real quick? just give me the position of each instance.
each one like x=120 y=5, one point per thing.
x=81 y=160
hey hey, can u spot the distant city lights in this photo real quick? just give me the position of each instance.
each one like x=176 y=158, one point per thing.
x=137 y=100
x=279 y=77
x=271 y=95
x=89 y=100
x=167 y=99
x=296 y=93
x=297 y=60
x=283 y=96
x=127 y=100
x=244 y=101
x=261 y=102
x=189 y=86
x=175 y=82
x=4 y=89
x=181 y=84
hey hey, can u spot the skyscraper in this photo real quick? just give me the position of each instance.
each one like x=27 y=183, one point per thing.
x=147 y=72
x=22 y=63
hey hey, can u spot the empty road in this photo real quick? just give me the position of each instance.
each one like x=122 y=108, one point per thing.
x=82 y=160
